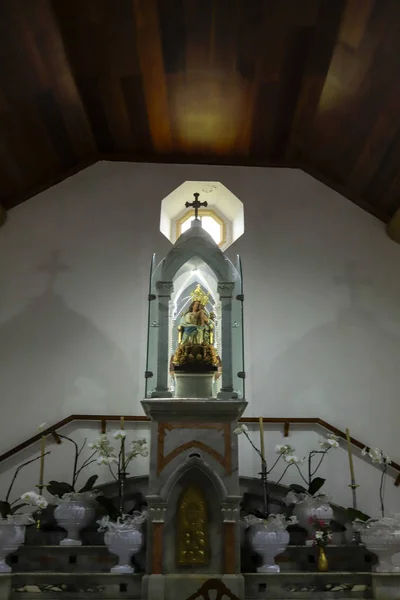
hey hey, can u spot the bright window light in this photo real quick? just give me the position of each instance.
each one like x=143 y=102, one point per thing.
x=214 y=226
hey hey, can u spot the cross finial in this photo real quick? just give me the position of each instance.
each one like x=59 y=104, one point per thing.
x=196 y=204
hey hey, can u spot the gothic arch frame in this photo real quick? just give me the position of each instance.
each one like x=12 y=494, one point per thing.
x=190 y=464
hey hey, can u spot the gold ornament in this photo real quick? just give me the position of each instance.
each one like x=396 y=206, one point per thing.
x=199 y=296
x=193 y=539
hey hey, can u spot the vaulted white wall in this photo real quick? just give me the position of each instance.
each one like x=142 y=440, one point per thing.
x=322 y=298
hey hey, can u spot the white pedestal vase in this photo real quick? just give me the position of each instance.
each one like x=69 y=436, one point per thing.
x=382 y=538
x=311 y=508
x=74 y=515
x=124 y=543
x=12 y=536
x=268 y=541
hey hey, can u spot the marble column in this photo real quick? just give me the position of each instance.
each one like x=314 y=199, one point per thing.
x=230 y=515
x=153 y=583
x=225 y=290
x=164 y=290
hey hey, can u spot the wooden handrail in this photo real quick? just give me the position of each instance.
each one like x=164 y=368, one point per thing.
x=285 y=421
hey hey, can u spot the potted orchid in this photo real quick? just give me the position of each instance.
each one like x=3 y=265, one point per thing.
x=76 y=506
x=123 y=535
x=308 y=502
x=381 y=535
x=269 y=537
x=267 y=532
x=13 y=520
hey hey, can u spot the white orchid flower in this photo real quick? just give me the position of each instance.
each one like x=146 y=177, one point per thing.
x=106 y=460
x=284 y=449
x=35 y=499
x=119 y=435
x=376 y=455
x=319 y=535
x=291 y=459
x=29 y=496
x=332 y=441
x=242 y=428
x=40 y=502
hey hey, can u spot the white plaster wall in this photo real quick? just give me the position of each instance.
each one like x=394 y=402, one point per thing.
x=316 y=344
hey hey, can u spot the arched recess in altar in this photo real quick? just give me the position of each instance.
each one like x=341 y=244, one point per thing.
x=194 y=473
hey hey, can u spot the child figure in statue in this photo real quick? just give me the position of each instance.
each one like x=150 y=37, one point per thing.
x=193 y=324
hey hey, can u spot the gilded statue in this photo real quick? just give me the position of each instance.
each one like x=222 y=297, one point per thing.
x=196 y=336
x=192 y=530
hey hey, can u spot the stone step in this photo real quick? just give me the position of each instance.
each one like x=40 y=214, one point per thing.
x=258 y=586
x=76 y=586
x=97 y=558
x=301 y=585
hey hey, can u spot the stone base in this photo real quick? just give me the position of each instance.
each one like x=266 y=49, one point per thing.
x=181 y=587
x=227 y=395
x=386 y=586
x=194 y=385
x=5 y=586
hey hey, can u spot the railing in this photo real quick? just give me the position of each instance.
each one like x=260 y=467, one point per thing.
x=103 y=419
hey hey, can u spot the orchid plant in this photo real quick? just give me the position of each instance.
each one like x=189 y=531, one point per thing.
x=8 y=509
x=286 y=453
x=313 y=484
x=117 y=459
x=379 y=457
x=64 y=491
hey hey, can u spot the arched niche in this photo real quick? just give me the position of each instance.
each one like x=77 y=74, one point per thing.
x=196 y=242
x=194 y=473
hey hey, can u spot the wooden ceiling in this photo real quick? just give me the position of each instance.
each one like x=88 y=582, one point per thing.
x=309 y=83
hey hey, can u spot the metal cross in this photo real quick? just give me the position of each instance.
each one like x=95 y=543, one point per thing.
x=196 y=205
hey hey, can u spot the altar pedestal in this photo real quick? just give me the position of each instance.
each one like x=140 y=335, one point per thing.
x=194 y=385
x=193 y=532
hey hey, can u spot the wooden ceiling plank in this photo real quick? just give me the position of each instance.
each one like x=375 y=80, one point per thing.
x=225 y=27
x=74 y=116
x=171 y=16
x=198 y=27
x=249 y=61
x=89 y=91
x=152 y=70
x=135 y=103
x=116 y=112
x=359 y=107
x=380 y=137
x=315 y=70
x=354 y=22
x=51 y=116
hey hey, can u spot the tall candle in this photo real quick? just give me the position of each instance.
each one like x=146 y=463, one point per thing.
x=262 y=448
x=122 y=446
x=42 y=453
x=353 y=479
